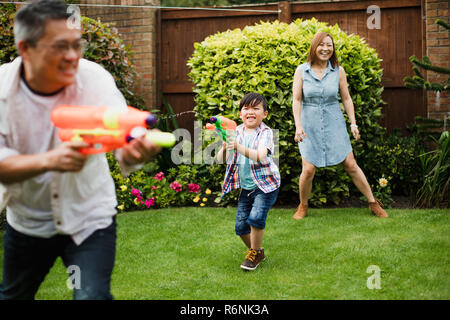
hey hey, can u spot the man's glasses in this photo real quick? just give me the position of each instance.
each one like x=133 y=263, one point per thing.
x=61 y=48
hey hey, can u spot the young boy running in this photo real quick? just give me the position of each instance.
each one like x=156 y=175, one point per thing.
x=250 y=167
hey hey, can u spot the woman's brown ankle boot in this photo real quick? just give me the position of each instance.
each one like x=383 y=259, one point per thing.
x=301 y=212
x=376 y=208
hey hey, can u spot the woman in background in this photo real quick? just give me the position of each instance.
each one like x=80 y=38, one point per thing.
x=320 y=127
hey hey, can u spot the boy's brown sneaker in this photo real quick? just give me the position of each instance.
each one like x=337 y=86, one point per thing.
x=251 y=261
x=301 y=212
x=260 y=255
x=376 y=208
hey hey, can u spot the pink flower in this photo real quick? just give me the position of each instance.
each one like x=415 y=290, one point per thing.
x=154 y=187
x=159 y=176
x=139 y=198
x=192 y=187
x=150 y=202
x=135 y=192
x=176 y=186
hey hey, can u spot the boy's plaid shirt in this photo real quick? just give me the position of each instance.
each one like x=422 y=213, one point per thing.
x=265 y=174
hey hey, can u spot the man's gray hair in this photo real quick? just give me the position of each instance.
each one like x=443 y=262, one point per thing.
x=29 y=23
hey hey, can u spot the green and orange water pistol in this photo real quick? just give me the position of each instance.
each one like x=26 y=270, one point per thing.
x=106 y=129
x=224 y=126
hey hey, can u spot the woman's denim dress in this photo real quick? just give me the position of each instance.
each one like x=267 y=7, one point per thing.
x=327 y=142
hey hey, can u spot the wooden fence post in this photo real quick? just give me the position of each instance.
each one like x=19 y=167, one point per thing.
x=158 y=69
x=284 y=14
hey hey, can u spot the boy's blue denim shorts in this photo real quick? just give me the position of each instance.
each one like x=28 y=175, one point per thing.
x=253 y=206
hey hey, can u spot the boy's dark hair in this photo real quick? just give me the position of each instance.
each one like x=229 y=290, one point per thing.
x=253 y=99
x=29 y=23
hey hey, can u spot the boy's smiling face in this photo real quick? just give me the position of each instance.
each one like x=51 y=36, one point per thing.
x=252 y=116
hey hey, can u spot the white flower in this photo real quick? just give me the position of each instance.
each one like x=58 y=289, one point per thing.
x=383 y=182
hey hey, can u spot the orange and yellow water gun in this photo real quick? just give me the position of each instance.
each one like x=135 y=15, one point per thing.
x=224 y=126
x=106 y=129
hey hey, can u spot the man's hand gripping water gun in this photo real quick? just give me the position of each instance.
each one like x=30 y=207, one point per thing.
x=105 y=129
x=224 y=126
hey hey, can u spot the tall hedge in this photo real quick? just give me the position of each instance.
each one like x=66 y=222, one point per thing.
x=263 y=58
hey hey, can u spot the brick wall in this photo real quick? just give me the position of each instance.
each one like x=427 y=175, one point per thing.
x=438 y=50
x=137 y=27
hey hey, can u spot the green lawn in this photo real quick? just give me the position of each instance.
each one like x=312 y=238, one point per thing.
x=192 y=253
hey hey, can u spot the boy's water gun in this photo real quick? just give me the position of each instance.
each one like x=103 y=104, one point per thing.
x=106 y=129
x=223 y=125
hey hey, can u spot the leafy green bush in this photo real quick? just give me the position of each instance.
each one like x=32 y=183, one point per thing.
x=7 y=47
x=263 y=58
x=396 y=158
x=436 y=167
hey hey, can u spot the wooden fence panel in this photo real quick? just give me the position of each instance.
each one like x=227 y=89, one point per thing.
x=400 y=36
